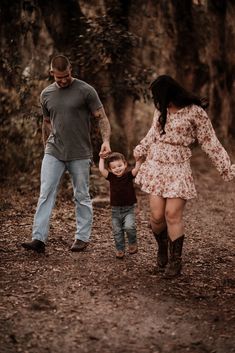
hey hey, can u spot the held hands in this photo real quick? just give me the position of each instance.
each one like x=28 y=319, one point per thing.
x=138 y=157
x=105 y=149
x=139 y=160
x=138 y=163
x=102 y=167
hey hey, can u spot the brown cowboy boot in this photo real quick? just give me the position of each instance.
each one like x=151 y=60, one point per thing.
x=162 y=254
x=175 y=260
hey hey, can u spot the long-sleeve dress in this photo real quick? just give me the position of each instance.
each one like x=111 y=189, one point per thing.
x=166 y=171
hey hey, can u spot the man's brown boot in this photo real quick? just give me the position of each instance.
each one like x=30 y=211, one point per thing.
x=175 y=260
x=79 y=245
x=162 y=254
x=35 y=245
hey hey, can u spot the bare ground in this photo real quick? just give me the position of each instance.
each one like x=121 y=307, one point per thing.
x=64 y=302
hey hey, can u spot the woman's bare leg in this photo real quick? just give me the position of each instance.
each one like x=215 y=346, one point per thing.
x=159 y=228
x=157 y=209
x=174 y=217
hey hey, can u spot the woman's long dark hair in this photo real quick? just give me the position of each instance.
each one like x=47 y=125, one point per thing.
x=166 y=90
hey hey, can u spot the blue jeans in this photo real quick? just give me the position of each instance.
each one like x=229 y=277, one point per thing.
x=123 y=221
x=51 y=173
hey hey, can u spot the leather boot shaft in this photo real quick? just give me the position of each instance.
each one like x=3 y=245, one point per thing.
x=162 y=254
x=175 y=259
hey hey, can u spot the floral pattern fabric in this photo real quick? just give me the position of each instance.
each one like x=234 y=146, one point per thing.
x=166 y=171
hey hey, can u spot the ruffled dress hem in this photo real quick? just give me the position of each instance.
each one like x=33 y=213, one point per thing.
x=168 y=180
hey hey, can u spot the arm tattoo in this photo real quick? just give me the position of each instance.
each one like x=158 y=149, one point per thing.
x=104 y=125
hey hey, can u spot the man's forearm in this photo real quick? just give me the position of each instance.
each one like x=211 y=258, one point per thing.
x=104 y=129
x=104 y=124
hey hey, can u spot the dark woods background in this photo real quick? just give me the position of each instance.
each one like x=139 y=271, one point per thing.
x=119 y=47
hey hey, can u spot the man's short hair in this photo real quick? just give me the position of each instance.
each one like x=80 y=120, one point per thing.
x=60 y=63
x=114 y=156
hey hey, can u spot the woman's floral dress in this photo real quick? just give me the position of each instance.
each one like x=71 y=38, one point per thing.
x=166 y=171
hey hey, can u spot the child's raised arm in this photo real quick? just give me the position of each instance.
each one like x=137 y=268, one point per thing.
x=102 y=168
x=137 y=167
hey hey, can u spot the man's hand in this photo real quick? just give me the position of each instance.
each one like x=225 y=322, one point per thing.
x=105 y=149
x=105 y=131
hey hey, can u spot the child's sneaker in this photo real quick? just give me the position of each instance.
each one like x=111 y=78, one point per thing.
x=133 y=248
x=120 y=254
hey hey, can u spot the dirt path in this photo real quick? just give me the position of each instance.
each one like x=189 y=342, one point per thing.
x=64 y=302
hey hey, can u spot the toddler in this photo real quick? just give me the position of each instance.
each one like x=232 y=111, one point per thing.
x=122 y=200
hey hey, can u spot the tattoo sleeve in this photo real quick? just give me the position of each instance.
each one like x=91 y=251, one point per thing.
x=104 y=124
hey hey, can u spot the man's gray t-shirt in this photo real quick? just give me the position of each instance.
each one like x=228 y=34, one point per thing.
x=69 y=110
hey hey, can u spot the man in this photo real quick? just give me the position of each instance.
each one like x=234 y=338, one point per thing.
x=67 y=105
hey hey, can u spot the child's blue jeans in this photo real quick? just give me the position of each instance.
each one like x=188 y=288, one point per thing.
x=123 y=221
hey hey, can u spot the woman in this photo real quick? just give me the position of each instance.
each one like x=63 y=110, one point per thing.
x=179 y=120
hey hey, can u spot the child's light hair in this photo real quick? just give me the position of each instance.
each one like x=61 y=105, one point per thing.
x=115 y=156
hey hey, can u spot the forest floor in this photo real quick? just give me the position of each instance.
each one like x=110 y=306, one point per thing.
x=64 y=302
